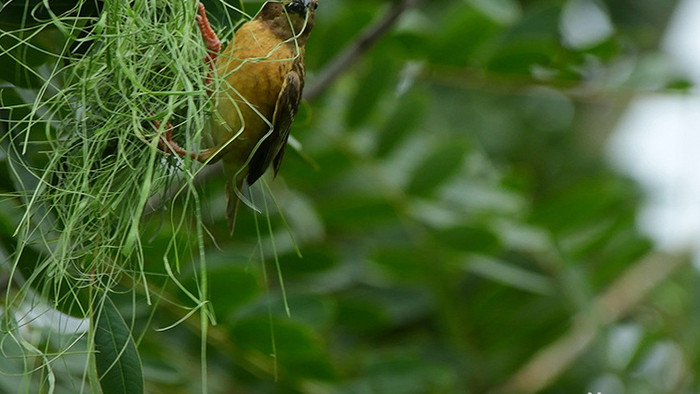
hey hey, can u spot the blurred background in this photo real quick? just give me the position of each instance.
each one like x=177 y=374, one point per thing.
x=497 y=196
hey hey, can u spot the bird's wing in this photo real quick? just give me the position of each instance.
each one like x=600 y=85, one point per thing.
x=272 y=148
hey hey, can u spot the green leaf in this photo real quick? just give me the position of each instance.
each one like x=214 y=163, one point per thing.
x=264 y=335
x=362 y=316
x=463 y=38
x=353 y=213
x=116 y=358
x=501 y=11
x=436 y=168
x=370 y=88
x=589 y=202
x=468 y=239
x=520 y=55
x=402 y=262
x=231 y=287
x=510 y=274
x=407 y=116
x=407 y=373
x=310 y=310
x=316 y=258
x=294 y=345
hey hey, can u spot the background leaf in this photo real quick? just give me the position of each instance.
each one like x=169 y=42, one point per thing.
x=116 y=358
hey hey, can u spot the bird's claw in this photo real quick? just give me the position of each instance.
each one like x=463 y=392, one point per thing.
x=210 y=39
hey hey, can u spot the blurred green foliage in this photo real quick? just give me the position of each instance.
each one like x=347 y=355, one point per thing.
x=458 y=215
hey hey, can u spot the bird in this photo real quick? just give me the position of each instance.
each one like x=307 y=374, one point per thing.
x=262 y=71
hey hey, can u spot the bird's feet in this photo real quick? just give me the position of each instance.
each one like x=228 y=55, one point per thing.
x=213 y=48
x=210 y=39
x=168 y=145
x=166 y=141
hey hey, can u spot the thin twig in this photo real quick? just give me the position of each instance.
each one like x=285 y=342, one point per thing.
x=625 y=293
x=359 y=47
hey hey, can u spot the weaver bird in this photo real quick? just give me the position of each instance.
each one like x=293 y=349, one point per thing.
x=263 y=72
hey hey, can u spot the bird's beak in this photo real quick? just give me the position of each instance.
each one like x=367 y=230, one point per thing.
x=298 y=6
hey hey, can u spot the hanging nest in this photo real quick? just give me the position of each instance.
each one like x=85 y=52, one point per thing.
x=121 y=69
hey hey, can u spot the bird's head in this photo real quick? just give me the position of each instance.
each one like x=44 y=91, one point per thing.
x=300 y=7
x=290 y=18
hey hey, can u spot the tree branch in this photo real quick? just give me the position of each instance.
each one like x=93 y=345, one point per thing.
x=343 y=61
x=623 y=295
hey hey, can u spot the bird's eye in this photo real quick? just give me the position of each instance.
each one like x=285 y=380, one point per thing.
x=315 y=6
